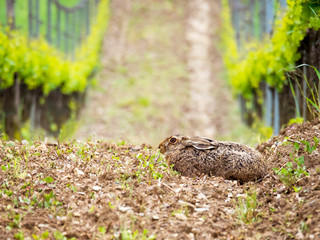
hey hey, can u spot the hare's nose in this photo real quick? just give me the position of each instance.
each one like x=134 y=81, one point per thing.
x=162 y=149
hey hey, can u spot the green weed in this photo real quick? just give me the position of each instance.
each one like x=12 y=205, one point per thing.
x=48 y=201
x=183 y=210
x=246 y=208
x=313 y=102
x=16 y=220
x=19 y=235
x=44 y=235
x=308 y=148
x=72 y=187
x=15 y=162
x=127 y=234
x=59 y=236
x=304 y=227
x=295 y=120
x=294 y=170
x=148 y=165
x=289 y=175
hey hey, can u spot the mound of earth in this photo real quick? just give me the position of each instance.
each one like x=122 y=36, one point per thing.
x=292 y=212
x=98 y=190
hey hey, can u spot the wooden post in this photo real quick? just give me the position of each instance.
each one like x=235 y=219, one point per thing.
x=49 y=21
x=16 y=117
x=58 y=26
x=37 y=20
x=276 y=113
x=268 y=105
x=268 y=91
x=11 y=110
x=10 y=14
x=304 y=85
x=30 y=16
x=87 y=13
x=66 y=33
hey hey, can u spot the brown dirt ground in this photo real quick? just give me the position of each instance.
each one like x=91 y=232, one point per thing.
x=105 y=191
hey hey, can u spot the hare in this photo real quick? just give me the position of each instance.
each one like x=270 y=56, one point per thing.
x=194 y=156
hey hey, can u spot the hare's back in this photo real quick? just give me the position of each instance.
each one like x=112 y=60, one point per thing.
x=241 y=162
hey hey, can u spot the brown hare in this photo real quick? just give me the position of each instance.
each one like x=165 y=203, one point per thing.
x=194 y=156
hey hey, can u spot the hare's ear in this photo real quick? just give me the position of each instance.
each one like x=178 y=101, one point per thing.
x=201 y=145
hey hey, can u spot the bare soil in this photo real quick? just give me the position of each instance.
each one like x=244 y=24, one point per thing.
x=97 y=190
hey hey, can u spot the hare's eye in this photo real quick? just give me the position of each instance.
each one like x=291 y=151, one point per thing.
x=173 y=140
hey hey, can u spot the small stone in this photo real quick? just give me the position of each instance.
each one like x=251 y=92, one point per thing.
x=299 y=235
x=191 y=236
x=43 y=225
x=155 y=217
x=241 y=195
x=96 y=188
x=76 y=214
x=63 y=218
x=180 y=216
x=124 y=209
x=72 y=156
x=79 y=172
x=201 y=209
x=201 y=196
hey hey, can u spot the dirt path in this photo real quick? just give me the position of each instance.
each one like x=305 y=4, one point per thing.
x=141 y=93
x=198 y=36
x=160 y=74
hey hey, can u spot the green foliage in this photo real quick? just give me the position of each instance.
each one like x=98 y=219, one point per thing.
x=304 y=227
x=21 y=14
x=264 y=132
x=246 y=208
x=44 y=235
x=294 y=170
x=59 y=236
x=19 y=235
x=147 y=165
x=126 y=234
x=310 y=148
x=313 y=102
x=48 y=179
x=269 y=59
x=295 y=120
x=16 y=220
x=39 y=65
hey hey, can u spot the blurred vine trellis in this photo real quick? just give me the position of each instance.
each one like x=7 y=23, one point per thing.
x=276 y=102
x=49 y=51
x=64 y=27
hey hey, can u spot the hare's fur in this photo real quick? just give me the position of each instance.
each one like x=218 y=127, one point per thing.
x=194 y=156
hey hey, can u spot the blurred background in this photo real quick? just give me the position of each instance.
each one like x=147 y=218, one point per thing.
x=138 y=71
